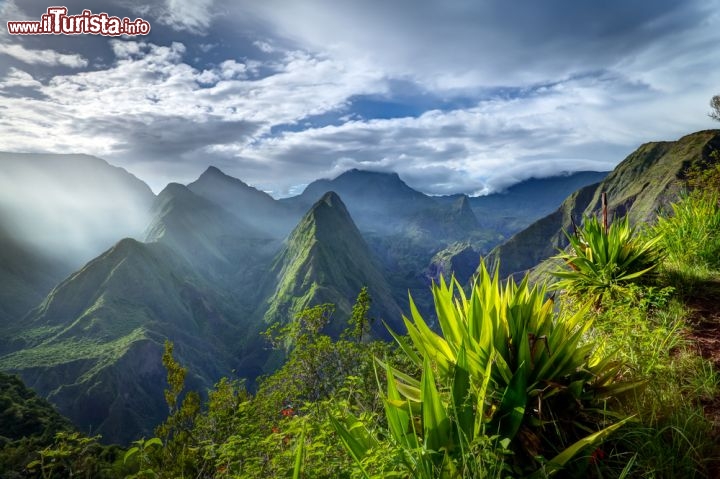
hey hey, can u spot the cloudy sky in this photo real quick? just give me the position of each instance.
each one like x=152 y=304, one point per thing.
x=455 y=95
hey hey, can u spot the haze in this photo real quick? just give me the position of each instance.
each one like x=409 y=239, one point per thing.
x=70 y=207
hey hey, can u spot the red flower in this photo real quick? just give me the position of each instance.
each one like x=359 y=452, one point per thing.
x=597 y=456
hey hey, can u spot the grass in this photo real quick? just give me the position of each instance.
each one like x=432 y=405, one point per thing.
x=671 y=436
x=62 y=352
x=651 y=329
x=690 y=233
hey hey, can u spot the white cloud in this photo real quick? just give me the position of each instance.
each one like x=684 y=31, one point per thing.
x=543 y=89
x=136 y=110
x=264 y=46
x=230 y=69
x=191 y=15
x=19 y=78
x=43 y=57
x=589 y=123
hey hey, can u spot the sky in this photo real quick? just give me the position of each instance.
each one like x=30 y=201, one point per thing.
x=457 y=96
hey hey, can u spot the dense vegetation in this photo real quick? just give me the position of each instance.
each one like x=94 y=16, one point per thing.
x=601 y=379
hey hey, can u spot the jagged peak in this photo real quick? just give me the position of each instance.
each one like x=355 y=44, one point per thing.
x=215 y=172
x=329 y=206
x=327 y=217
x=178 y=194
x=462 y=202
x=173 y=190
x=331 y=199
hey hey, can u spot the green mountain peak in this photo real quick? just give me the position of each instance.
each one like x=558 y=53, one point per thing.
x=325 y=259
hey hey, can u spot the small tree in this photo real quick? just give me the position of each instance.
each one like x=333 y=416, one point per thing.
x=359 y=320
x=715 y=105
x=181 y=418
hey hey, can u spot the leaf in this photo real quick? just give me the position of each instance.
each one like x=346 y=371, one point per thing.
x=557 y=463
x=130 y=453
x=512 y=407
x=436 y=424
x=299 y=454
x=155 y=441
x=397 y=415
x=352 y=445
x=464 y=414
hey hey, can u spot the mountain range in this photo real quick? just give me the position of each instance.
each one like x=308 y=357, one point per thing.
x=210 y=265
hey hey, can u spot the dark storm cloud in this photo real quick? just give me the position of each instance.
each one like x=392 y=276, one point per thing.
x=467 y=44
x=166 y=138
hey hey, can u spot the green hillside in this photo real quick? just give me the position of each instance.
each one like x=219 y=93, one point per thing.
x=93 y=346
x=326 y=260
x=514 y=209
x=640 y=186
x=25 y=414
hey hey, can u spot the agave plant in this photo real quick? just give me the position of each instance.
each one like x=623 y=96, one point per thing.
x=504 y=373
x=603 y=260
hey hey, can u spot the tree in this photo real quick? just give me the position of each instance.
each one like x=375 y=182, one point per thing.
x=302 y=330
x=359 y=320
x=715 y=105
x=176 y=432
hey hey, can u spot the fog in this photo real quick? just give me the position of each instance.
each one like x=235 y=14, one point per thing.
x=70 y=207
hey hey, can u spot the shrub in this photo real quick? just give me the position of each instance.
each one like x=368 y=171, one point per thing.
x=604 y=262
x=504 y=375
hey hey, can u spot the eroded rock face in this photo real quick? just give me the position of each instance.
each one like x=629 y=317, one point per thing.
x=461 y=260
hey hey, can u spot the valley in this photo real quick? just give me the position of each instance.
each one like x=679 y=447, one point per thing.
x=216 y=264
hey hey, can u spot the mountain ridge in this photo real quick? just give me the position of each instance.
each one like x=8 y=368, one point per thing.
x=250 y=205
x=644 y=183
x=328 y=259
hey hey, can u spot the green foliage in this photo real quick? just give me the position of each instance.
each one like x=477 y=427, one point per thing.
x=671 y=437
x=305 y=327
x=289 y=418
x=691 y=235
x=141 y=453
x=28 y=424
x=176 y=432
x=74 y=455
x=49 y=354
x=23 y=413
x=705 y=175
x=359 y=320
x=504 y=367
x=604 y=262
